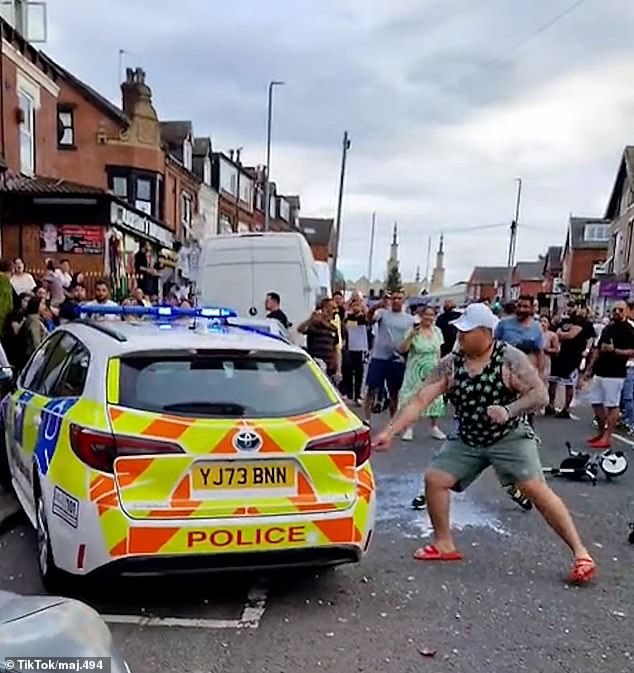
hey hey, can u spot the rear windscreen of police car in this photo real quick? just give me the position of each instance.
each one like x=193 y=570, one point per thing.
x=237 y=385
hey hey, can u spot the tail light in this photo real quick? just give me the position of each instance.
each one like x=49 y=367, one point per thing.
x=99 y=450
x=358 y=441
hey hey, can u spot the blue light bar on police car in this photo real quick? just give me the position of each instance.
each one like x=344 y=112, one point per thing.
x=159 y=312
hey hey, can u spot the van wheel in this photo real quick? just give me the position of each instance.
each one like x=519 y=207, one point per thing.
x=53 y=579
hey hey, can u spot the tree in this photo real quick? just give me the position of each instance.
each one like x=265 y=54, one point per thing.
x=393 y=282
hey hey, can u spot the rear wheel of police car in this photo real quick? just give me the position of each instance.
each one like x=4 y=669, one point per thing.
x=53 y=578
x=5 y=472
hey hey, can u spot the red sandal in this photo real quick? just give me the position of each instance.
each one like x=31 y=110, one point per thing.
x=432 y=553
x=583 y=570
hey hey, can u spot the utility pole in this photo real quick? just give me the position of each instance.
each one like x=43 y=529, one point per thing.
x=513 y=240
x=342 y=177
x=267 y=169
x=371 y=259
x=239 y=169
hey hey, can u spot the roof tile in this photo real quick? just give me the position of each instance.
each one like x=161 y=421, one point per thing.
x=16 y=183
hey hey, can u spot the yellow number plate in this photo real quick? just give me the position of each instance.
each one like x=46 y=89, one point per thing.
x=229 y=476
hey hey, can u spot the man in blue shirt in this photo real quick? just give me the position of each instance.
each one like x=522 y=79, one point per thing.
x=523 y=332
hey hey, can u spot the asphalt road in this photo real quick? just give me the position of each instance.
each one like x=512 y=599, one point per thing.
x=505 y=608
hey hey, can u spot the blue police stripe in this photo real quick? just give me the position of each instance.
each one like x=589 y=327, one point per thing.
x=50 y=428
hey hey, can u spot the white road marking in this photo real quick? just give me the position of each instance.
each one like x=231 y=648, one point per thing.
x=255 y=605
x=140 y=620
x=252 y=613
x=625 y=440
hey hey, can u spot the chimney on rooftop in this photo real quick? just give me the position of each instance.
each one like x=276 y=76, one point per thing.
x=134 y=91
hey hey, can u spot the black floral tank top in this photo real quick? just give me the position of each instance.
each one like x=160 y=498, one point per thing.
x=472 y=395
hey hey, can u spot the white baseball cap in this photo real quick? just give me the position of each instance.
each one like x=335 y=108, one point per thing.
x=474 y=316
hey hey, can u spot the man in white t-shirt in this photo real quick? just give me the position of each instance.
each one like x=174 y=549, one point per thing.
x=102 y=298
x=64 y=273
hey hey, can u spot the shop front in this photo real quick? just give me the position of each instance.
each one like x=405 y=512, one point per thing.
x=48 y=219
x=128 y=230
x=45 y=219
x=606 y=292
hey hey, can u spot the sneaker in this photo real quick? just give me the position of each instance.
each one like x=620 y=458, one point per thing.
x=549 y=411
x=419 y=502
x=564 y=413
x=408 y=435
x=437 y=433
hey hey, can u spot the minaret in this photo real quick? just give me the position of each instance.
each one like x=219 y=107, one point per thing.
x=393 y=259
x=438 y=274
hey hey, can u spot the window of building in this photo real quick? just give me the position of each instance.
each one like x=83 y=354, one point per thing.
x=65 y=127
x=285 y=210
x=27 y=133
x=246 y=190
x=187 y=154
x=141 y=190
x=144 y=200
x=207 y=171
x=224 y=225
x=186 y=214
x=120 y=187
x=27 y=17
x=228 y=178
x=597 y=232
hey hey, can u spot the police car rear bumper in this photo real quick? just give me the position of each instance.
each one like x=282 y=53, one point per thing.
x=227 y=562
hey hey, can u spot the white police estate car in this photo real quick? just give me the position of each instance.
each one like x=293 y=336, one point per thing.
x=183 y=442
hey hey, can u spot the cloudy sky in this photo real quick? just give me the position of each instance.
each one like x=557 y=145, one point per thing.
x=446 y=103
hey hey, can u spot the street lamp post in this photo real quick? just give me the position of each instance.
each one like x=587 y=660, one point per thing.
x=267 y=170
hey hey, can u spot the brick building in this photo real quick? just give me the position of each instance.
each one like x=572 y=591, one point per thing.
x=487 y=282
x=528 y=278
x=235 y=185
x=586 y=247
x=84 y=178
x=87 y=180
x=320 y=234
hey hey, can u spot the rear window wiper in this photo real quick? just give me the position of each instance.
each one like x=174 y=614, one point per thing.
x=216 y=408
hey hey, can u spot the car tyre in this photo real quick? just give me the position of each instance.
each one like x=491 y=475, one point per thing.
x=53 y=579
x=5 y=472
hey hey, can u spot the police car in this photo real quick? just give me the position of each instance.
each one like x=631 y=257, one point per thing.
x=157 y=439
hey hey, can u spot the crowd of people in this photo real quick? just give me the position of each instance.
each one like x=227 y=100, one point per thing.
x=30 y=308
x=496 y=368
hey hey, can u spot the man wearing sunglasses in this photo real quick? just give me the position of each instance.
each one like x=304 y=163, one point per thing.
x=608 y=366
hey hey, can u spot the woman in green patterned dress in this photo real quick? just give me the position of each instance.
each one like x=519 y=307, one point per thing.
x=422 y=346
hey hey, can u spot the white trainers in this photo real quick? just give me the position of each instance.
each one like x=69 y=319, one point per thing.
x=437 y=433
x=408 y=435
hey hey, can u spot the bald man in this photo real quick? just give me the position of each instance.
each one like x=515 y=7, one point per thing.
x=608 y=366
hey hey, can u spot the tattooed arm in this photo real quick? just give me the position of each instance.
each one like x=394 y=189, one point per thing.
x=435 y=385
x=521 y=376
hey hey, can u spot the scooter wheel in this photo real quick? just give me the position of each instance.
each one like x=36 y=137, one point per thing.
x=614 y=464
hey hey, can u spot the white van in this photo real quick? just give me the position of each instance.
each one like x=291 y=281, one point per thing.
x=238 y=270
x=322 y=270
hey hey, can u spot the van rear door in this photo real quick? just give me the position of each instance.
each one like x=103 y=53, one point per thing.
x=226 y=276
x=287 y=279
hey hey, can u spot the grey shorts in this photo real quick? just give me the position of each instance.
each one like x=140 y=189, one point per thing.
x=515 y=459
